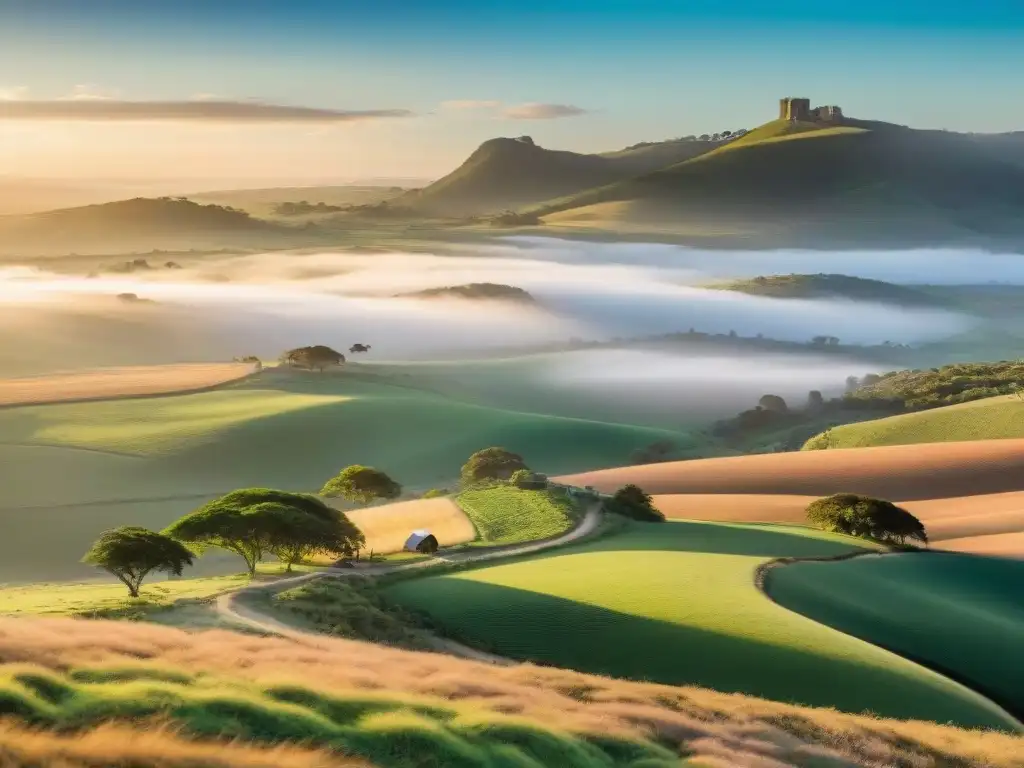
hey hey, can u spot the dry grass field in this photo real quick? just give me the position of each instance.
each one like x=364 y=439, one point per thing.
x=218 y=698
x=108 y=383
x=387 y=527
x=968 y=494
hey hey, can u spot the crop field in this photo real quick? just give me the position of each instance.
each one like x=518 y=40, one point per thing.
x=118 y=382
x=506 y=515
x=993 y=418
x=70 y=471
x=130 y=694
x=677 y=603
x=388 y=527
x=958 y=613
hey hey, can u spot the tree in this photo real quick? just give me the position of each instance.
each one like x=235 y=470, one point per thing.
x=726 y=134
x=631 y=501
x=704 y=137
x=362 y=485
x=852 y=383
x=491 y=464
x=298 y=534
x=521 y=478
x=252 y=522
x=773 y=403
x=866 y=517
x=815 y=401
x=131 y=553
x=318 y=357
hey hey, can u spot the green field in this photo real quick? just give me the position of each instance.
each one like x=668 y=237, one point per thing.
x=676 y=603
x=990 y=419
x=507 y=515
x=962 y=614
x=71 y=471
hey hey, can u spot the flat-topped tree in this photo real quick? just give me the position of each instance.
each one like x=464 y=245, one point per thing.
x=362 y=485
x=253 y=522
x=131 y=553
x=316 y=357
x=867 y=517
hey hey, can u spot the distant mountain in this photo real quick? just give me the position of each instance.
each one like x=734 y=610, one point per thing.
x=824 y=286
x=476 y=291
x=808 y=180
x=508 y=173
x=140 y=224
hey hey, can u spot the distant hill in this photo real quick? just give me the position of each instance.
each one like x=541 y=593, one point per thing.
x=809 y=181
x=140 y=224
x=825 y=286
x=509 y=173
x=475 y=291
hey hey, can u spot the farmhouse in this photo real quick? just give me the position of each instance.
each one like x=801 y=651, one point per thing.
x=421 y=541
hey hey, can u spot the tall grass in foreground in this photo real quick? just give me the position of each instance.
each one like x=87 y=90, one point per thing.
x=325 y=699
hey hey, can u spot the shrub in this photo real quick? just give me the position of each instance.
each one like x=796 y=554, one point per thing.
x=436 y=493
x=631 y=501
x=866 y=517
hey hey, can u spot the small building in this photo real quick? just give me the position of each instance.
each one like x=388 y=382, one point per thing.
x=421 y=541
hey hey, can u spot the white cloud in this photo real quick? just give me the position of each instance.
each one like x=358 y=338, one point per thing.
x=537 y=111
x=90 y=92
x=469 y=104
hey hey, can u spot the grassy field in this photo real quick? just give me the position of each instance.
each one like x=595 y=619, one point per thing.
x=71 y=470
x=676 y=603
x=958 y=613
x=990 y=419
x=129 y=695
x=507 y=515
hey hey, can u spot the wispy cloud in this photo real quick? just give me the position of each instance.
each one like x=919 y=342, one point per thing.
x=90 y=92
x=467 y=104
x=13 y=93
x=91 y=105
x=537 y=111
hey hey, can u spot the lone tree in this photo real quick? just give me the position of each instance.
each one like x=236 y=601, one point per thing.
x=866 y=517
x=632 y=501
x=131 y=553
x=773 y=403
x=253 y=522
x=318 y=357
x=362 y=485
x=491 y=464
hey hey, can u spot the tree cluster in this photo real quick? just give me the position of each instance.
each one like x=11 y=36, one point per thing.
x=491 y=464
x=866 y=517
x=317 y=357
x=631 y=501
x=361 y=485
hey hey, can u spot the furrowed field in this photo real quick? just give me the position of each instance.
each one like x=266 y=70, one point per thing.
x=506 y=515
x=677 y=603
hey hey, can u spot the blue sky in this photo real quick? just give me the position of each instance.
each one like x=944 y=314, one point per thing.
x=620 y=71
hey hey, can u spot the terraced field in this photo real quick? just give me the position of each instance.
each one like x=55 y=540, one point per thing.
x=993 y=418
x=958 y=613
x=505 y=515
x=676 y=603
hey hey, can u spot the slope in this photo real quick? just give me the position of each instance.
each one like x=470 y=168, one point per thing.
x=822 y=179
x=830 y=286
x=991 y=418
x=677 y=603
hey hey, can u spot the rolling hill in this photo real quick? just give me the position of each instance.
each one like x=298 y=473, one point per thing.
x=507 y=173
x=826 y=286
x=805 y=182
x=138 y=225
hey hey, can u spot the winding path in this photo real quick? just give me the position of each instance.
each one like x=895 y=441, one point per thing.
x=231 y=606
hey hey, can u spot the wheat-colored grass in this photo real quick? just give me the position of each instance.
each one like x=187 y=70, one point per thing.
x=388 y=527
x=132 y=381
x=735 y=730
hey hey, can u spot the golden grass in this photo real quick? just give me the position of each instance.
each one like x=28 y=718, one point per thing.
x=129 y=381
x=121 y=746
x=718 y=729
x=387 y=527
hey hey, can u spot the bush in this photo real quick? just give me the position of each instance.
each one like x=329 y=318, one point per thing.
x=866 y=517
x=631 y=501
x=436 y=493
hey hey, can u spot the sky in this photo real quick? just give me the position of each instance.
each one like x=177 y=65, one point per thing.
x=328 y=91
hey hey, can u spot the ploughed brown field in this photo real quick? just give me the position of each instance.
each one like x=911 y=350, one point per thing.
x=970 y=495
x=107 y=383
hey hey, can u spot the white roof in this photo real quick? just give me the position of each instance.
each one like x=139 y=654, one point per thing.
x=415 y=538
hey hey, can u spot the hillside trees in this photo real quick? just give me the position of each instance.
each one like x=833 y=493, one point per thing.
x=316 y=357
x=131 y=553
x=632 y=501
x=361 y=485
x=491 y=464
x=254 y=522
x=866 y=517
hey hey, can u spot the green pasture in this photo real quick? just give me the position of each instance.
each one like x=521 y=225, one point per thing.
x=676 y=603
x=962 y=614
x=70 y=471
x=992 y=418
x=508 y=515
